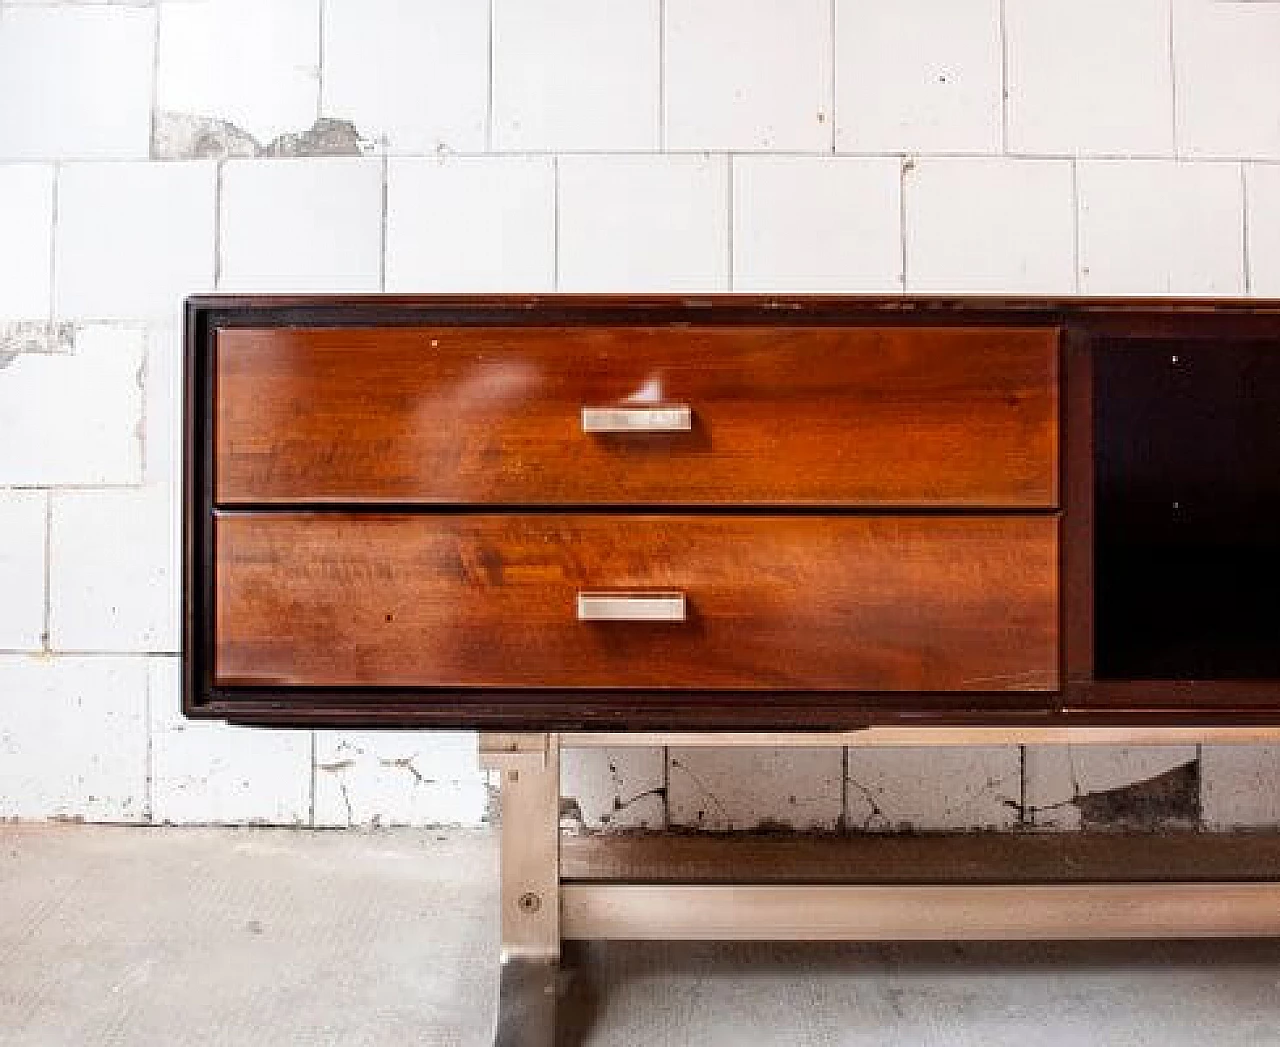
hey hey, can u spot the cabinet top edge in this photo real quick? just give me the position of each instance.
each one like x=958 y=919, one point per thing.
x=765 y=303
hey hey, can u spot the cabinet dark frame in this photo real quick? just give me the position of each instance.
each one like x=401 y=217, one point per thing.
x=1113 y=354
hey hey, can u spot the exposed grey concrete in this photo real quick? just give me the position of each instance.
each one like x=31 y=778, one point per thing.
x=142 y=937
x=179 y=937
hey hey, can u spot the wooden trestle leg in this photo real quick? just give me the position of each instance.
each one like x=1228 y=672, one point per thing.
x=529 y=765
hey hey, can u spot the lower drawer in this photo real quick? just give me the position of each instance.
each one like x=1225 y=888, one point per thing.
x=858 y=603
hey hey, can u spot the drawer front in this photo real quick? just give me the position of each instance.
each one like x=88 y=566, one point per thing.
x=888 y=417
x=860 y=603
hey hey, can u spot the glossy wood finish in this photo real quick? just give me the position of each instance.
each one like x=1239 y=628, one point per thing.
x=1093 y=333
x=858 y=603
x=783 y=415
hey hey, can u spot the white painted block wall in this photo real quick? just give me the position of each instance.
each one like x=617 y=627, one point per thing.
x=154 y=148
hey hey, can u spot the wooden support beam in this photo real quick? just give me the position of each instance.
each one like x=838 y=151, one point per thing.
x=920 y=913
x=914 y=736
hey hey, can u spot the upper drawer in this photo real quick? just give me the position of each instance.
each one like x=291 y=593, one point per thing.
x=906 y=416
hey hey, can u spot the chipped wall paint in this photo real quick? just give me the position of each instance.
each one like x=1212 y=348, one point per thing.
x=182 y=136
x=33 y=336
x=1109 y=787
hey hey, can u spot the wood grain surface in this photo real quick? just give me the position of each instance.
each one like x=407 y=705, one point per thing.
x=906 y=416
x=896 y=603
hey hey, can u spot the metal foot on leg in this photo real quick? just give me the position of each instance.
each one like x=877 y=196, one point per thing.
x=530 y=768
x=527 y=995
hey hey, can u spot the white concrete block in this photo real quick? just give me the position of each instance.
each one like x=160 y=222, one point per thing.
x=311 y=224
x=26 y=240
x=23 y=523
x=1059 y=776
x=73 y=738
x=1228 y=78
x=643 y=223
x=212 y=773
x=918 y=76
x=412 y=75
x=1240 y=786
x=938 y=788
x=471 y=224
x=616 y=788
x=399 y=778
x=254 y=63
x=113 y=570
x=1089 y=77
x=1161 y=227
x=74 y=419
x=809 y=224
x=76 y=82
x=989 y=226
x=133 y=239
x=748 y=75
x=737 y=789
x=1262 y=195
x=576 y=74
x=162 y=406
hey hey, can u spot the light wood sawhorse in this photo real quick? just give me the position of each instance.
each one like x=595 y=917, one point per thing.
x=540 y=910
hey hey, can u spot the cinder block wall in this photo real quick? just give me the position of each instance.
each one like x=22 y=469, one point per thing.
x=152 y=149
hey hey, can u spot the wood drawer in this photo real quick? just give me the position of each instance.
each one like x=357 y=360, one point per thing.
x=821 y=416
x=808 y=602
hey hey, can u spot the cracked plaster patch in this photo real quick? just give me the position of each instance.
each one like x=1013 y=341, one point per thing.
x=396 y=779
x=186 y=136
x=613 y=789
x=34 y=336
x=933 y=789
x=758 y=789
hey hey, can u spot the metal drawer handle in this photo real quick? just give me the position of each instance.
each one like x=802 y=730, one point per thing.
x=673 y=418
x=631 y=607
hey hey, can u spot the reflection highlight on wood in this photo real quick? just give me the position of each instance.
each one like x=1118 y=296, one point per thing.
x=930 y=416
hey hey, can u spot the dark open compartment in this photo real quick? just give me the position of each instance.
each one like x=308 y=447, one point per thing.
x=1187 y=503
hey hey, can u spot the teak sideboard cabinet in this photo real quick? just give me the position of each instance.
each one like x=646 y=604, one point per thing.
x=731 y=513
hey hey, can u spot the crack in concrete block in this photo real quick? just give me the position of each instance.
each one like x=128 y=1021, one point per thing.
x=705 y=793
x=615 y=790
x=405 y=763
x=875 y=817
x=759 y=789
x=188 y=136
x=620 y=805
x=390 y=779
x=908 y=789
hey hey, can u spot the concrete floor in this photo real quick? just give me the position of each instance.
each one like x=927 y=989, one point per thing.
x=178 y=937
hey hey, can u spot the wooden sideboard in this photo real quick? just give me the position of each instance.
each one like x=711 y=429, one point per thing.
x=731 y=513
